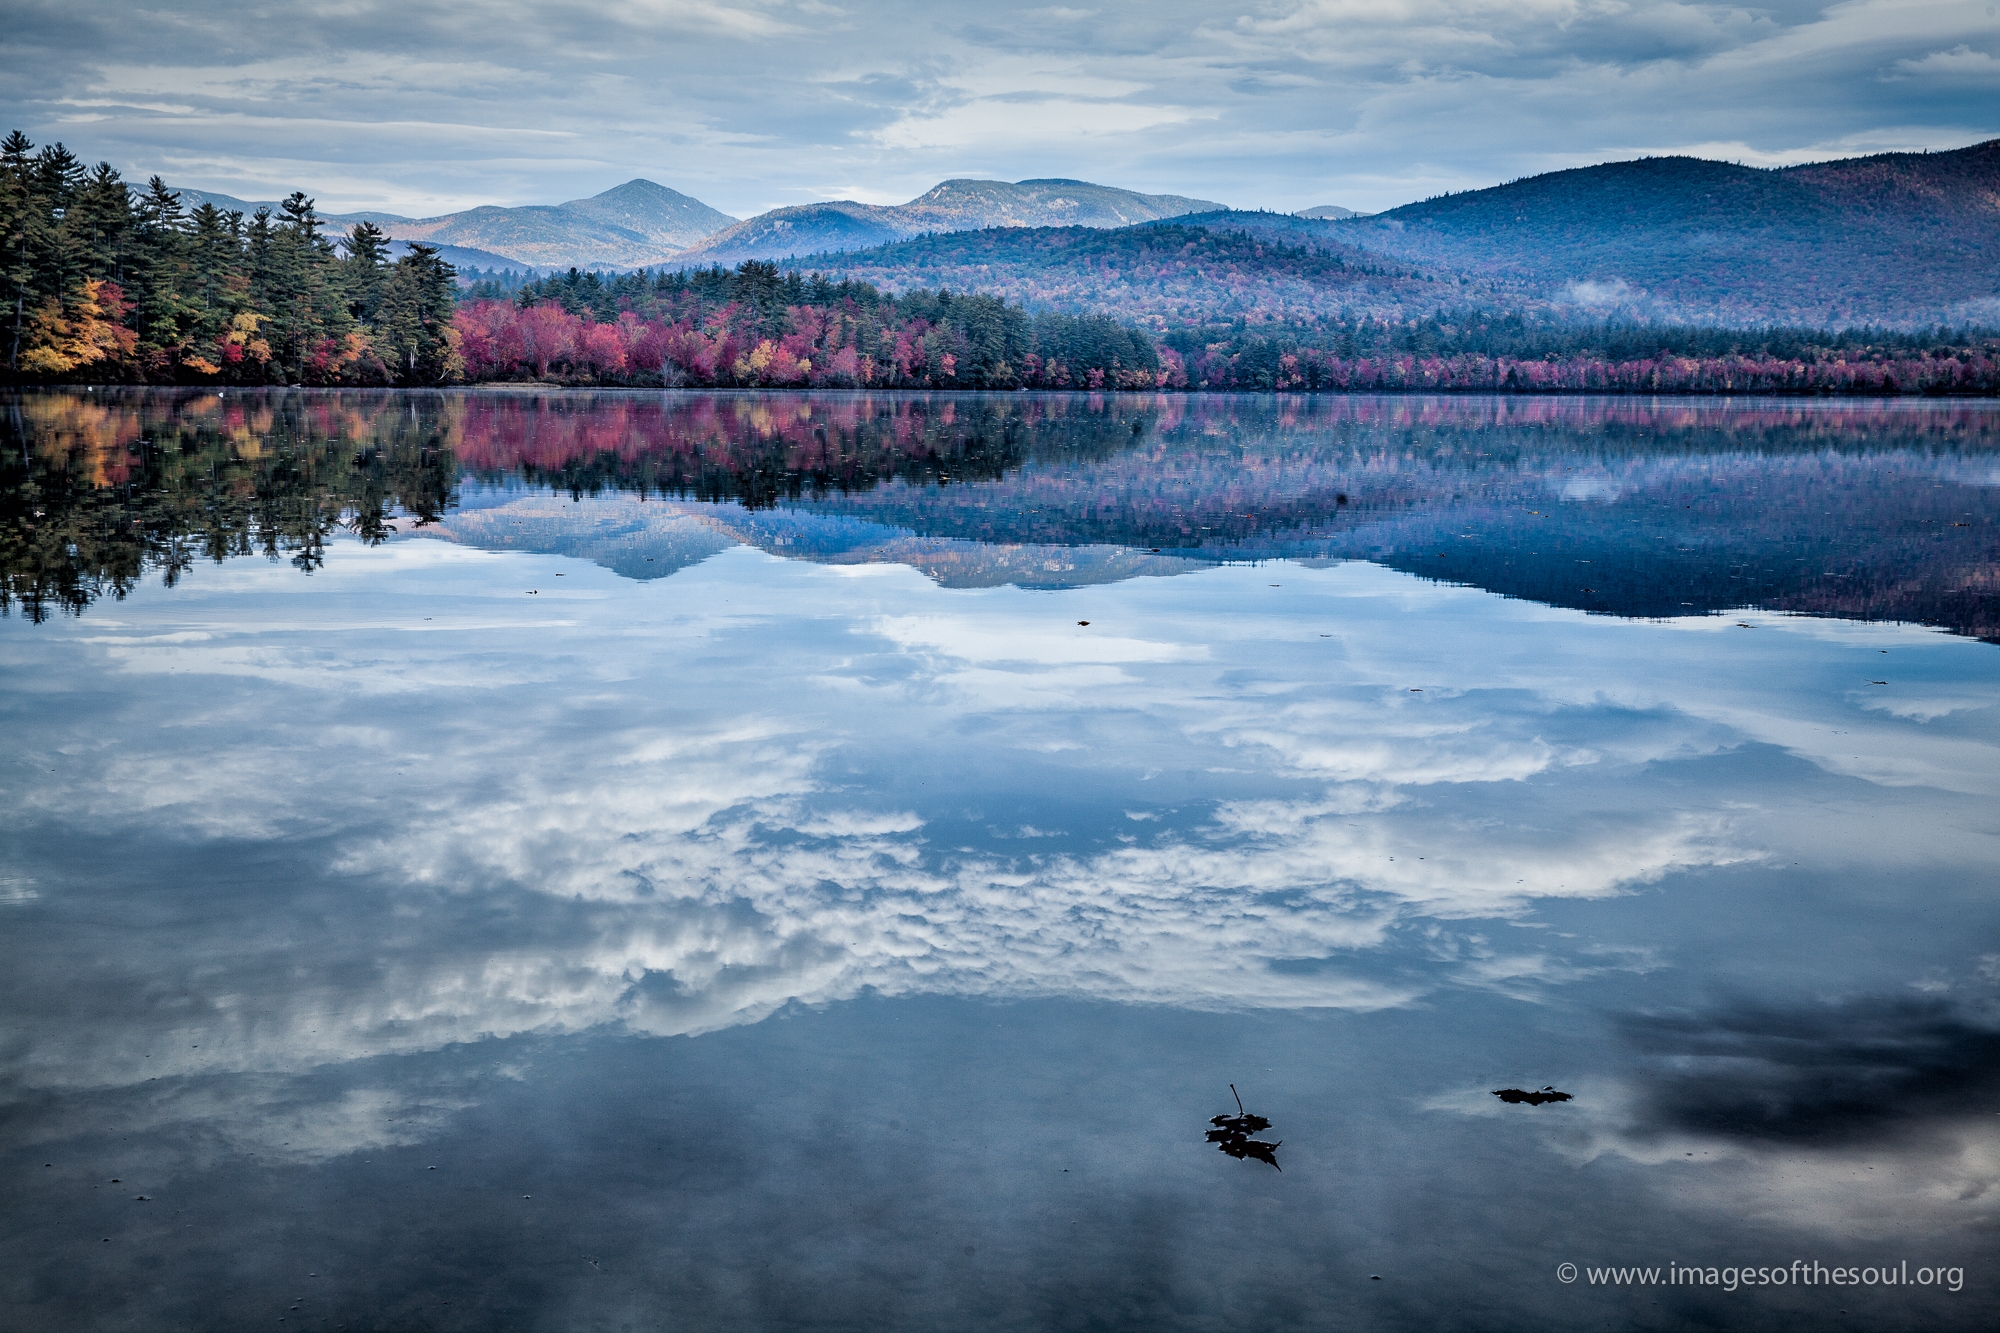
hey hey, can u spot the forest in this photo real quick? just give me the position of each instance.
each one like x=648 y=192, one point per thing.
x=754 y=326
x=1483 y=351
x=1264 y=268
x=108 y=284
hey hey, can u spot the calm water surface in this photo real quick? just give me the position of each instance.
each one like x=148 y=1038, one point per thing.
x=821 y=862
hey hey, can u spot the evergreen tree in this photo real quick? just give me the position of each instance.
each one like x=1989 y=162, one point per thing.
x=59 y=180
x=219 y=281
x=166 y=312
x=24 y=223
x=306 y=307
x=415 y=323
x=365 y=270
x=104 y=223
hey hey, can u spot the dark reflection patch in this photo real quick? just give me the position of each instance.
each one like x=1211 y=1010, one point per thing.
x=1824 y=1072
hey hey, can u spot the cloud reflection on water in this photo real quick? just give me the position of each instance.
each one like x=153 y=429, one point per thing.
x=680 y=844
x=314 y=881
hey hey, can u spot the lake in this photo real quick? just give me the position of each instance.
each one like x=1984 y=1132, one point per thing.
x=845 y=861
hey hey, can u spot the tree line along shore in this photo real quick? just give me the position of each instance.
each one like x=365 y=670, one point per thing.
x=105 y=283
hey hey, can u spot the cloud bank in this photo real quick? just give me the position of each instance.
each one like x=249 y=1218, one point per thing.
x=1282 y=104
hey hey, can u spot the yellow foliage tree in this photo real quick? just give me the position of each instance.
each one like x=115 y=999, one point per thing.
x=86 y=332
x=241 y=341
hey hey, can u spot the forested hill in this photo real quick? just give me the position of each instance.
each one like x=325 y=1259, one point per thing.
x=1267 y=268
x=1895 y=239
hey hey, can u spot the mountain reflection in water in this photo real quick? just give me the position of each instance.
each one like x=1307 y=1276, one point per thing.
x=1620 y=506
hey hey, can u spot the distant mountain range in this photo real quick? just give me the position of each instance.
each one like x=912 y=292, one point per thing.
x=461 y=256
x=641 y=224
x=628 y=226
x=953 y=205
x=191 y=199
x=1896 y=239
x=1892 y=238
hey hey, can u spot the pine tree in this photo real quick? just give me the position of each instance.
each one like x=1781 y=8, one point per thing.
x=218 y=280
x=103 y=211
x=167 y=313
x=23 y=224
x=415 y=322
x=365 y=270
x=59 y=180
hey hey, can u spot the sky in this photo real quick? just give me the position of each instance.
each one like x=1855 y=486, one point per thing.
x=1282 y=104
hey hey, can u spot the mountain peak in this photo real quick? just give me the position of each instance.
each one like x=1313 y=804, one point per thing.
x=959 y=204
x=627 y=226
x=638 y=188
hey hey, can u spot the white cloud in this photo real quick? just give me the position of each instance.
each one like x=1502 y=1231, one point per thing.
x=1959 y=63
x=1285 y=105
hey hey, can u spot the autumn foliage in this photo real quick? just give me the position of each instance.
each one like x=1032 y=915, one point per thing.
x=88 y=330
x=109 y=284
x=753 y=327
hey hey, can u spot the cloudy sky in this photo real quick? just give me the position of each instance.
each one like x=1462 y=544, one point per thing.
x=750 y=105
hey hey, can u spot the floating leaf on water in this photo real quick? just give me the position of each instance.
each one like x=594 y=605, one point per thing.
x=1515 y=1097
x=1232 y=1135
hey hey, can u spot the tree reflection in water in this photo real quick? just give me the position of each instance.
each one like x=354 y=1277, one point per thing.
x=98 y=489
x=1617 y=506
